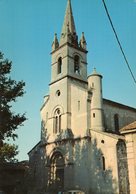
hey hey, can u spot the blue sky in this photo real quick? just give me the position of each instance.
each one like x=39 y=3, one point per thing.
x=26 y=34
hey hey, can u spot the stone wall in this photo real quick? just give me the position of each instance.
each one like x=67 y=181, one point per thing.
x=122 y=168
x=131 y=157
x=125 y=114
x=89 y=165
x=37 y=175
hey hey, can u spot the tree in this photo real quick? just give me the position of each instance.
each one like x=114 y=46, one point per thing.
x=10 y=90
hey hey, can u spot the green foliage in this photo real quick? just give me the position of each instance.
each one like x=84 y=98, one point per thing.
x=9 y=121
x=8 y=152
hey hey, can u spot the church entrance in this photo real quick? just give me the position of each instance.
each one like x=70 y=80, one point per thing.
x=57 y=172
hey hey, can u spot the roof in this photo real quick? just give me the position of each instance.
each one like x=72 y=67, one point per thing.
x=112 y=103
x=129 y=128
x=35 y=147
x=109 y=134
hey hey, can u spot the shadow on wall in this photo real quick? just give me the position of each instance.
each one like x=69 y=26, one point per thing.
x=91 y=162
x=84 y=169
x=12 y=176
x=37 y=173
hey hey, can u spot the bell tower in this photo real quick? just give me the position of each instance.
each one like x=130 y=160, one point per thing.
x=69 y=55
x=66 y=104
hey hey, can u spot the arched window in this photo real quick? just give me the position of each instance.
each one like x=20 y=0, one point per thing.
x=59 y=65
x=116 y=122
x=76 y=64
x=57 y=121
x=57 y=170
x=122 y=166
x=103 y=163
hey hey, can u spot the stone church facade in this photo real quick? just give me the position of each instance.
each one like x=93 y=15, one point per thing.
x=87 y=144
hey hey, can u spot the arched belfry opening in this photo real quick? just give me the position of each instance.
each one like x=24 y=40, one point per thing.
x=76 y=64
x=57 y=170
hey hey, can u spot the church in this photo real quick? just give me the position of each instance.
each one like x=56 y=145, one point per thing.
x=88 y=143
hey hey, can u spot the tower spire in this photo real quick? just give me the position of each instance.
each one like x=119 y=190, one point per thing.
x=82 y=41
x=68 y=23
x=69 y=19
x=55 y=43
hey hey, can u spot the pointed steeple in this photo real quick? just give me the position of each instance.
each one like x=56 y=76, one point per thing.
x=82 y=41
x=55 y=43
x=68 y=33
x=69 y=19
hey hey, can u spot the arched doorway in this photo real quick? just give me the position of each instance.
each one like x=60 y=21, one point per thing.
x=57 y=171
